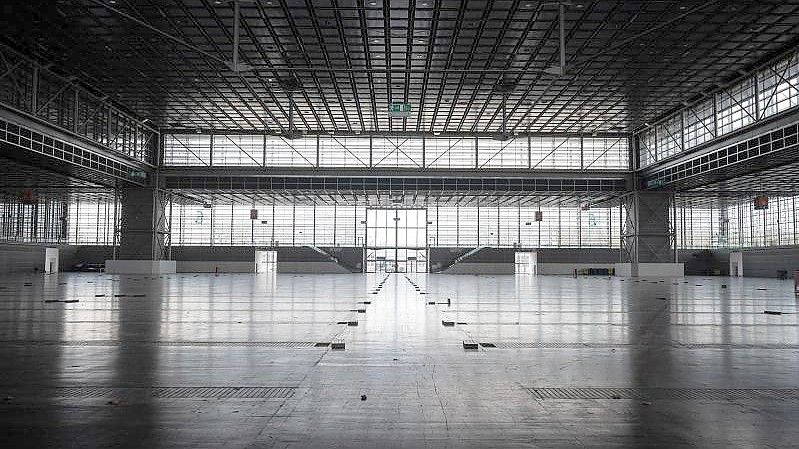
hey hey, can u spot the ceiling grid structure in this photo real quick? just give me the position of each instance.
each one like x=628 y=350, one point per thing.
x=628 y=62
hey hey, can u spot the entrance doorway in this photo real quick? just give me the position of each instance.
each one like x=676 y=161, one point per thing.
x=736 y=264
x=396 y=240
x=51 y=260
x=265 y=261
x=396 y=261
x=526 y=263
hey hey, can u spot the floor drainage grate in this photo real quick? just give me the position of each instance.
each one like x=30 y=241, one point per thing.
x=738 y=346
x=708 y=394
x=176 y=392
x=87 y=392
x=562 y=345
x=255 y=344
x=223 y=392
x=534 y=345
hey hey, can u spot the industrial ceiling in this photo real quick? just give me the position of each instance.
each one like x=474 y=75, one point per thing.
x=343 y=61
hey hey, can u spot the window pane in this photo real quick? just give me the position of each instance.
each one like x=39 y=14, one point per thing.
x=396 y=152
x=337 y=151
x=187 y=149
x=736 y=106
x=555 y=152
x=450 y=152
x=282 y=152
x=511 y=153
x=779 y=86
x=609 y=153
x=699 y=123
x=238 y=150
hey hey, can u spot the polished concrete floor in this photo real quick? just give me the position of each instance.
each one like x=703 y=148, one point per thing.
x=246 y=361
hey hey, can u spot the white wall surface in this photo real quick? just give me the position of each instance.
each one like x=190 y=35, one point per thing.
x=51 y=260
x=737 y=259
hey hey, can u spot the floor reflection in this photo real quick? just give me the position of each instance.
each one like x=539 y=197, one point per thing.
x=205 y=333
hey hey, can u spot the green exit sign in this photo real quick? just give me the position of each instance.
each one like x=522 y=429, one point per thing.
x=140 y=174
x=399 y=109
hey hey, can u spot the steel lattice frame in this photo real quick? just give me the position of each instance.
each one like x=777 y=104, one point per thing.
x=443 y=56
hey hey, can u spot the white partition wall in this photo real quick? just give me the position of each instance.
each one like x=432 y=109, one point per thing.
x=737 y=264
x=266 y=261
x=51 y=260
x=526 y=263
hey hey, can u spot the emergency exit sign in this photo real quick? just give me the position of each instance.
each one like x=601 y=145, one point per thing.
x=399 y=109
x=137 y=174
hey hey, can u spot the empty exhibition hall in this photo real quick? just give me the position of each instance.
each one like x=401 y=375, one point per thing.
x=292 y=224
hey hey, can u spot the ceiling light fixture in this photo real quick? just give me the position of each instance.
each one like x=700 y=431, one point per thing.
x=560 y=70
x=235 y=65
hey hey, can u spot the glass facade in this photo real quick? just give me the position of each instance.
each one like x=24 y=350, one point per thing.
x=79 y=220
x=771 y=90
x=738 y=224
x=436 y=226
x=518 y=153
x=89 y=220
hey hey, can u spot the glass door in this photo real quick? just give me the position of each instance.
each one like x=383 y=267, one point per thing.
x=396 y=240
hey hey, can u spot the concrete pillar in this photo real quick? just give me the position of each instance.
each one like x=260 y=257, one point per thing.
x=142 y=224
x=648 y=237
x=655 y=238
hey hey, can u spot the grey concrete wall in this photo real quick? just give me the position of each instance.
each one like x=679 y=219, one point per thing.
x=578 y=255
x=761 y=262
x=501 y=260
x=545 y=255
x=480 y=268
x=216 y=253
x=766 y=262
x=213 y=266
x=311 y=267
x=441 y=257
x=21 y=258
x=350 y=257
x=705 y=262
x=757 y=262
x=89 y=254
x=242 y=259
